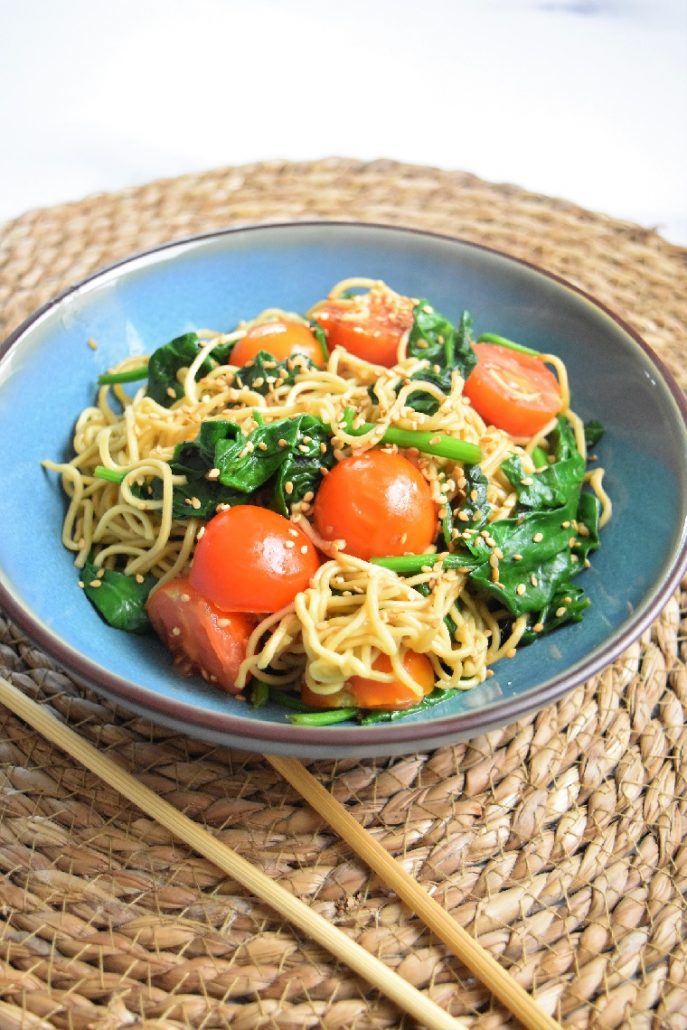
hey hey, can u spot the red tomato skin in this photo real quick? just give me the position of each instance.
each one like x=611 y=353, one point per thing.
x=251 y=559
x=202 y=638
x=368 y=327
x=281 y=339
x=517 y=415
x=379 y=503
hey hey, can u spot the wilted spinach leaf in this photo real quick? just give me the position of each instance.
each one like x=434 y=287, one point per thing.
x=120 y=599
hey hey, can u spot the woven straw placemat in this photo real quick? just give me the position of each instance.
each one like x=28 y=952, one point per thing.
x=559 y=841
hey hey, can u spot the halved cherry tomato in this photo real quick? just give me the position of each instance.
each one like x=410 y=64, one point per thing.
x=369 y=325
x=511 y=390
x=363 y=692
x=202 y=638
x=251 y=559
x=280 y=339
x=379 y=503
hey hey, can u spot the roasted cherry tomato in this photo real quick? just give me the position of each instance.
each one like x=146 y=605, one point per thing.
x=251 y=559
x=511 y=390
x=202 y=638
x=280 y=339
x=363 y=692
x=379 y=503
x=369 y=325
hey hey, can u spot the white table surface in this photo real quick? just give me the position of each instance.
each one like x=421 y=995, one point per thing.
x=583 y=100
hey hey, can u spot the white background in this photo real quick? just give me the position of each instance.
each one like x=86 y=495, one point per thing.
x=582 y=100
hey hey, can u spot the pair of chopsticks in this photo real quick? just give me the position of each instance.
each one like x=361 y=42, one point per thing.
x=422 y=1008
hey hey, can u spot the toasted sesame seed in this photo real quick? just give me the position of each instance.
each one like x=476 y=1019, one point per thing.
x=81 y=584
x=185 y=597
x=527 y=481
x=520 y=589
x=213 y=474
x=92 y=344
x=171 y=392
x=139 y=578
x=282 y=442
x=289 y=543
x=517 y=557
x=195 y=503
x=288 y=487
x=262 y=446
x=561 y=611
x=323 y=448
x=304 y=549
x=95 y=583
x=533 y=580
x=257 y=383
x=566 y=524
x=309 y=496
x=537 y=538
x=176 y=631
x=201 y=533
x=435 y=439
x=538 y=627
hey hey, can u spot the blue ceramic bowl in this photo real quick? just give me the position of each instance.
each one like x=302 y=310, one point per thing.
x=48 y=374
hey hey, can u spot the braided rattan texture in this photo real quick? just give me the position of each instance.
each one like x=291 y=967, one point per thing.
x=559 y=841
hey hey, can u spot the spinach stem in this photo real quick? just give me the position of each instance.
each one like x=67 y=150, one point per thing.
x=130 y=376
x=427 y=442
x=110 y=475
x=413 y=564
x=502 y=341
x=324 y=718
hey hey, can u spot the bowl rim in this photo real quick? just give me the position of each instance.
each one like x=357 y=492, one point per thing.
x=445 y=729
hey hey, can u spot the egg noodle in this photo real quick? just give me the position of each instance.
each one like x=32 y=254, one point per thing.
x=353 y=610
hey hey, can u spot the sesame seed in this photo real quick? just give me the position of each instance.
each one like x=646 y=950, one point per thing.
x=561 y=611
x=527 y=481
x=572 y=541
x=171 y=392
x=435 y=439
x=288 y=487
x=538 y=627
x=195 y=503
x=517 y=557
x=176 y=631
x=81 y=584
x=309 y=496
x=323 y=448
x=262 y=446
x=92 y=344
x=95 y=583
x=463 y=516
x=533 y=580
x=201 y=533
x=138 y=577
x=282 y=442
x=213 y=474
x=520 y=589
x=185 y=598
x=566 y=524
x=304 y=549
x=537 y=538
x=289 y=543
x=257 y=383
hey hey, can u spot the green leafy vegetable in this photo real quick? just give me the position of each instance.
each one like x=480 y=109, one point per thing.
x=264 y=371
x=447 y=347
x=593 y=431
x=393 y=715
x=165 y=364
x=282 y=460
x=120 y=599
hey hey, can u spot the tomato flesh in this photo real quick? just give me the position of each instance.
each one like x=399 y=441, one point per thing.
x=202 y=638
x=378 y=503
x=369 y=325
x=363 y=692
x=251 y=559
x=280 y=339
x=511 y=390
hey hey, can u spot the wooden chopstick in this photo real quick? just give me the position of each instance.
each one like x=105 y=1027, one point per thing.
x=469 y=951
x=423 y=1009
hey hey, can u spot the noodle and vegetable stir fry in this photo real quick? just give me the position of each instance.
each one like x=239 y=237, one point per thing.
x=355 y=512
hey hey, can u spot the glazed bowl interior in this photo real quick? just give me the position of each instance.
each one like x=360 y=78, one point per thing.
x=48 y=374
